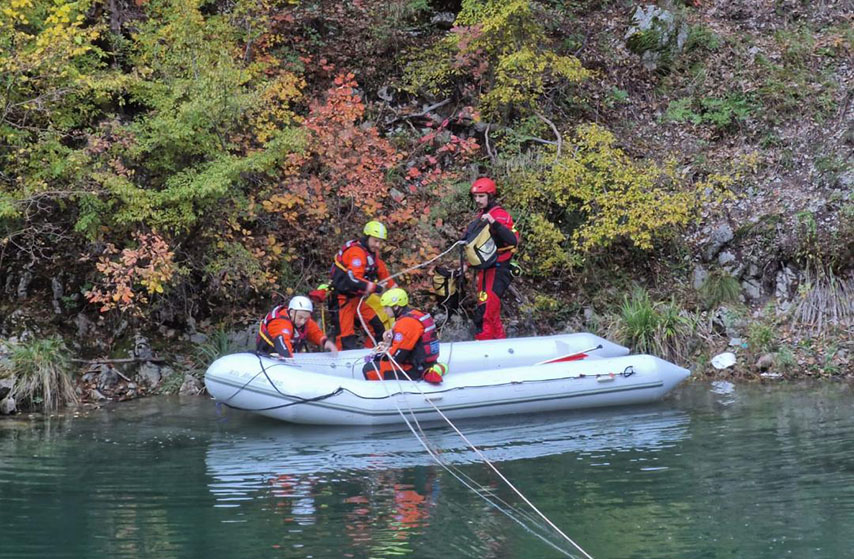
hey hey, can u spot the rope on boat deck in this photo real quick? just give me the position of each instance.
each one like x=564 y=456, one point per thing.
x=480 y=455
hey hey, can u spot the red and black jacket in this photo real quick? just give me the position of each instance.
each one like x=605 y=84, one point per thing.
x=502 y=230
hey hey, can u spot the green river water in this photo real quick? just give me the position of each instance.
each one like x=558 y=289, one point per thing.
x=715 y=471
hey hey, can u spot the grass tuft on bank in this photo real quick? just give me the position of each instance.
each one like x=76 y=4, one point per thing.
x=41 y=371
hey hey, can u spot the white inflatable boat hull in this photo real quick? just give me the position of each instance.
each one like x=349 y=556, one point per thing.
x=485 y=378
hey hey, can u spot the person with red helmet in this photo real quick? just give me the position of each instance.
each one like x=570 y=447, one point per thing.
x=494 y=276
x=357 y=271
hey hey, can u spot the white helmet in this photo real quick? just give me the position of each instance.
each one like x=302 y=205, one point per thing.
x=300 y=303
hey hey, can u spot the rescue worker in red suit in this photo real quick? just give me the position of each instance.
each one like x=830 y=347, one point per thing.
x=411 y=342
x=356 y=271
x=491 y=283
x=286 y=331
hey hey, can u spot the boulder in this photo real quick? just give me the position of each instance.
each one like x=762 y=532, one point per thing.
x=699 y=277
x=198 y=338
x=766 y=361
x=191 y=386
x=149 y=374
x=108 y=377
x=96 y=396
x=656 y=36
x=85 y=327
x=141 y=348
x=720 y=235
x=6 y=384
x=784 y=284
x=752 y=289
x=725 y=257
x=8 y=406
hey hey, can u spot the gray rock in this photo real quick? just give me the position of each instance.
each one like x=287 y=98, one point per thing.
x=85 y=327
x=108 y=377
x=149 y=374
x=24 y=284
x=56 y=288
x=725 y=258
x=699 y=277
x=752 y=289
x=766 y=361
x=752 y=271
x=6 y=385
x=198 y=338
x=243 y=338
x=8 y=406
x=443 y=19
x=141 y=348
x=96 y=396
x=720 y=235
x=785 y=283
x=191 y=386
x=655 y=35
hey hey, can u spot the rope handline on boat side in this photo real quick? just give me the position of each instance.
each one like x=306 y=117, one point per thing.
x=486 y=494
x=490 y=464
x=297 y=399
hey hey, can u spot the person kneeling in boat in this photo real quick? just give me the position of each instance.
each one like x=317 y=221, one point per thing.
x=287 y=331
x=410 y=345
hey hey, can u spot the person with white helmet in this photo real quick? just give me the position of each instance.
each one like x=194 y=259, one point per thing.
x=285 y=331
x=357 y=272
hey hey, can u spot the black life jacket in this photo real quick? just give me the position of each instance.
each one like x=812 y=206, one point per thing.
x=426 y=352
x=339 y=273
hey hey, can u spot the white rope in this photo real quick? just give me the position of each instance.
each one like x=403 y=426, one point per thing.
x=490 y=464
x=406 y=271
x=459 y=475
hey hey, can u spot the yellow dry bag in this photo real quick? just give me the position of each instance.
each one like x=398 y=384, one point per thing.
x=480 y=248
x=373 y=301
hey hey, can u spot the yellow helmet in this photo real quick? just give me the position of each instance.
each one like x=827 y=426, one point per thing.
x=375 y=229
x=394 y=297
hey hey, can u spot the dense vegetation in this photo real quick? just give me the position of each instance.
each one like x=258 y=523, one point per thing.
x=166 y=161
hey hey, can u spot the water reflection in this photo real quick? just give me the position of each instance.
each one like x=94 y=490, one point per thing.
x=382 y=475
x=766 y=475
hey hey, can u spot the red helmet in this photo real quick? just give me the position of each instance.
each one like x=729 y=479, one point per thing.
x=483 y=185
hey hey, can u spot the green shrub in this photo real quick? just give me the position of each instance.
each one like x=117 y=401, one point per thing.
x=785 y=358
x=719 y=287
x=218 y=344
x=657 y=328
x=762 y=337
x=41 y=370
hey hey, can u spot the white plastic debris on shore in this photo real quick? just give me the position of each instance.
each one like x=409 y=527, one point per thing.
x=723 y=360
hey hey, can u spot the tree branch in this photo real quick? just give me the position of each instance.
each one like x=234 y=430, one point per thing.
x=554 y=129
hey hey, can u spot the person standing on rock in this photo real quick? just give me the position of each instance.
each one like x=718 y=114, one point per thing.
x=491 y=240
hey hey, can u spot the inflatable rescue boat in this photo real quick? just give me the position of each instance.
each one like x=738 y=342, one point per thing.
x=484 y=378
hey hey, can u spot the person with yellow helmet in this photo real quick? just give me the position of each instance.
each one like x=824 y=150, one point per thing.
x=412 y=343
x=285 y=331
x=356 y=272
